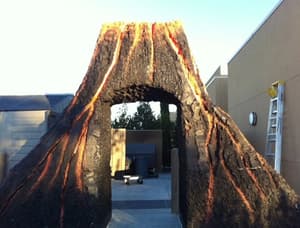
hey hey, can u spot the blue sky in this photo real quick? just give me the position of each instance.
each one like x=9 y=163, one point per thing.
x=46 y=45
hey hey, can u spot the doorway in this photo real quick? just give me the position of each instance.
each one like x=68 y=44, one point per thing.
x=151 y=201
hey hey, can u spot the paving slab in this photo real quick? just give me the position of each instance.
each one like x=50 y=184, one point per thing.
x=144 y=205
x=151 y=189
x=144 y=218
x=141 y=204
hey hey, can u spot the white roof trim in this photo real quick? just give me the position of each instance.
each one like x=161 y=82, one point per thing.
x=213 y=78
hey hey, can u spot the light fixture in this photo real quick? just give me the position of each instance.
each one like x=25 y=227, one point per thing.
x=252 y=118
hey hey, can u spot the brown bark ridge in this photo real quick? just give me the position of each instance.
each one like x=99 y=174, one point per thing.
x=65 y=180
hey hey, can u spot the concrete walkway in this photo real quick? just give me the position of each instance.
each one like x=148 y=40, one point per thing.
x=143 y=205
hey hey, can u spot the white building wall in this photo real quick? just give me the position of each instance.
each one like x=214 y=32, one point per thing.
x=20 y=132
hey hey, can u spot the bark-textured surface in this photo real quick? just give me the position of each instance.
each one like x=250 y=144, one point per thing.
x=224 y=182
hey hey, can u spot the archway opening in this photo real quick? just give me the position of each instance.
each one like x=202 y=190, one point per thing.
x=160 y=186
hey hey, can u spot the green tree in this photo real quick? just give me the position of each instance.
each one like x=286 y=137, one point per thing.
x=144 y=118
x=122 y=121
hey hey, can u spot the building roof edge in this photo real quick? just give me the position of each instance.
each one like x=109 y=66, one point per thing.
x=259 y=27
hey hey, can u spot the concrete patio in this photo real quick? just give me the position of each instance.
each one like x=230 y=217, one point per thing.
x=143 y=205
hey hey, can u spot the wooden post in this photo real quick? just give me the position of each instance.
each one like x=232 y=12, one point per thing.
x=175 y=181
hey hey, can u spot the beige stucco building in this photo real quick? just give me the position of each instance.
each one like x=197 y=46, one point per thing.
x=272 y=53
x=217 y=87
